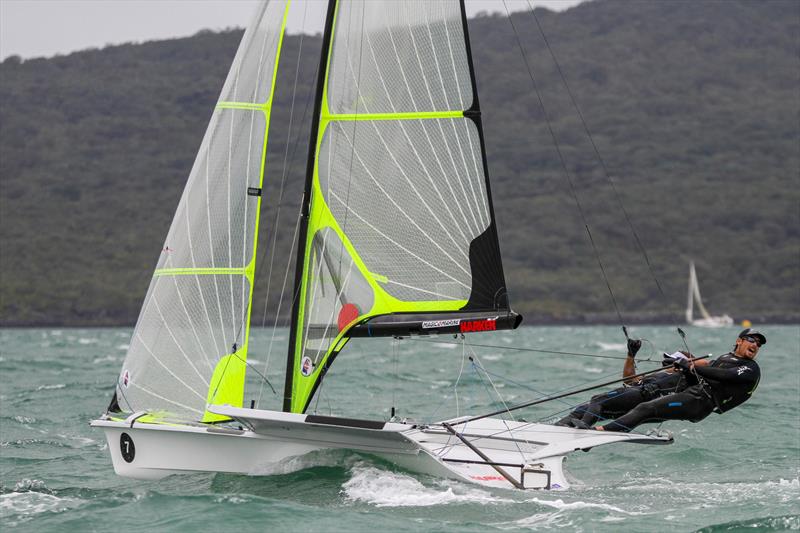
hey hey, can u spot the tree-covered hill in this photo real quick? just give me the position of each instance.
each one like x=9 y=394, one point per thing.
x=693 y=108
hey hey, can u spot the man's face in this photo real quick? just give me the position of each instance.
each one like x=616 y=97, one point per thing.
x=746 y=347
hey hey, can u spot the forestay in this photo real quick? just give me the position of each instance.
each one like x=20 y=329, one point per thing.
x=189 y=346
x=399 y=218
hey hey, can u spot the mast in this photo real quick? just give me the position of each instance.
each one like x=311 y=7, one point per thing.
x=690 y=295
x=304 y=210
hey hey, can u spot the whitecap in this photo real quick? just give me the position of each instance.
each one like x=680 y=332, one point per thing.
x=24 y=504
x=87 y=341
x=561 y=505
x=123 y=346
x=106 y=359
x=51 y=387
x=391 y=489
x=612 y=346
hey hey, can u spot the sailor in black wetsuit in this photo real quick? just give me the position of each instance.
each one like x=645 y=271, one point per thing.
x=725 y=383
x=617 y=402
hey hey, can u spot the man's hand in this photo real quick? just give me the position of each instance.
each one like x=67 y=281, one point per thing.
x=633 y=347
x=684 y=365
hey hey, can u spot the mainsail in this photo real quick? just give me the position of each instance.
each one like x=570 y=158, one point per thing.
x=398 y=232
x=189 y=346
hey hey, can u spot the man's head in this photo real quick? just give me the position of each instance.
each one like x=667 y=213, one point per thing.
x=748 y=342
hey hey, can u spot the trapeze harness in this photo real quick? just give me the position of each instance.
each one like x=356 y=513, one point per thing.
x=725 y=383
x=619 y=401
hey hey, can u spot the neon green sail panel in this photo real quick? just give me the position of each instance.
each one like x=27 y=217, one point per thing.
x=189 y=346
x=399 y=191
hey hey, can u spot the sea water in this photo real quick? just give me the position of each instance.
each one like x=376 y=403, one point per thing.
x=733 y=472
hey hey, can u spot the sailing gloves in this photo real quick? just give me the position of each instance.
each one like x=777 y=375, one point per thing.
x=684 y=365
x=633 y=347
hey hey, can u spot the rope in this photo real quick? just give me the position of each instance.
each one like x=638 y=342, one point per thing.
x=533 y=350
x=563 y=164
x=603 y=165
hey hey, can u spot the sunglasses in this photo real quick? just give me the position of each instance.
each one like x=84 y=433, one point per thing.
x=752 y=339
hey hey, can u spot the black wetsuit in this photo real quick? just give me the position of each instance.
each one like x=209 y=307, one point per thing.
x=619 y=401
x=726 y=382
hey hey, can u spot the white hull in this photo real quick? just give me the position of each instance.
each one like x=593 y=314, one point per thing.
x=531 y=455
x=713 y=322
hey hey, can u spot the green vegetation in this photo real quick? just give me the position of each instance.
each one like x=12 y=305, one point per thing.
x=693 y=107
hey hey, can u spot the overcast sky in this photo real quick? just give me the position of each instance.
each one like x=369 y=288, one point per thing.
x=34 y=28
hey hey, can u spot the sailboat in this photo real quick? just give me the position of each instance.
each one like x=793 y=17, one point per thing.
x=693 y=296
x=397 y=238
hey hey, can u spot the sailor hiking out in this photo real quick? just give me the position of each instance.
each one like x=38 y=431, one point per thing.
x=619 y=401
x=725 y=383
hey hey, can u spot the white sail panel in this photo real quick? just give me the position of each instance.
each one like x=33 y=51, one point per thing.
x=338 y=293
x=215 y=222
x=186 y=325
x=250 y=77
x=393 y=57
x=410 y=196
x=190 y=341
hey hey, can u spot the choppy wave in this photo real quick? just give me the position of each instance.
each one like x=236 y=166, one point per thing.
x=769 y=523
x=29 y=498
x=383 y=488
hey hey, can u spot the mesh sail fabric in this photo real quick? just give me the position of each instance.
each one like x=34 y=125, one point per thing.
x=189 y=346
x=399 y=180
x=214 y=225
x=251 y=75
x=188 y=322
x=336 y=288
x=391 y=57
x=410 y=196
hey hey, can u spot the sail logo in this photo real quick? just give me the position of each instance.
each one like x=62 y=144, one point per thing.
x=489 y=324
x=307 y=367
x=428 y=324
x=126 y=378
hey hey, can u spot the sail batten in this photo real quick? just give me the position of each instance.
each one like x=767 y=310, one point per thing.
x=398 y=219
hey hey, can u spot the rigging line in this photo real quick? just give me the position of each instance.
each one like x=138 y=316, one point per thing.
x=287 y=163
x=505 y=422
x=563 y=162
x=520 y=349
x=597 y=152
x=230 y=238
x=355 y=129
x=570 y=405
x=263 y=377
x=564 y=395
x=455 y=387
x=280 y=302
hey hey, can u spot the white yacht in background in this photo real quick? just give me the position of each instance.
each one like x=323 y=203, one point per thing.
x=706 y=320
